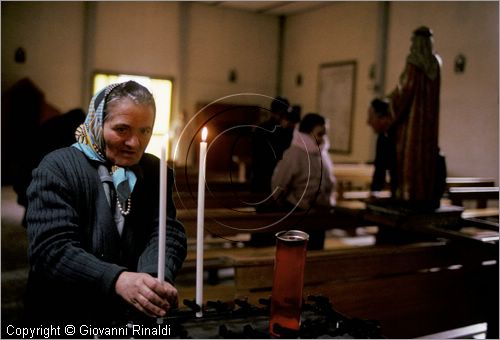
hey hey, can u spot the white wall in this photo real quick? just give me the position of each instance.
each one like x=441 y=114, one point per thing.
x=197 y=44
x=468 y=131
x=222 y=39
x=137 y=37
x=218 y=40
x=469 y=101
x=339 y=32
x=52 y=35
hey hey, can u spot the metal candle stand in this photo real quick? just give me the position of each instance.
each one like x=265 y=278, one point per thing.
x=243 y=320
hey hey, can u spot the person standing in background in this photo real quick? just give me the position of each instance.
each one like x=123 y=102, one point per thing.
x=380 y=119
x=269 y=140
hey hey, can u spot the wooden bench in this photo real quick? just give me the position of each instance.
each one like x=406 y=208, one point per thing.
x=412 y=290
x=245 y=199
x=226 y=222
x=220 y=257
x=362 y=195
x=219 y=199
x=480 y=212
x=353 y=176
x=480 y=195
x=356 y=176
x=191 y=185
x=452 y=182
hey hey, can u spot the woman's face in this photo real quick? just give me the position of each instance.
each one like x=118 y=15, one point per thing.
x=127 y=131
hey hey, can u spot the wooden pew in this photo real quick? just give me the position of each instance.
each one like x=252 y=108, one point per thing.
x=221 y=255
x=413 y=289
x=481 y=195
x=247 y=199
x=352 y=176
x=357 y=176
x=191 y=185
x=480 y=213
x=219 y=199
x=186 y=180
x=362 y=195
x=226 y=222
x=452 y=182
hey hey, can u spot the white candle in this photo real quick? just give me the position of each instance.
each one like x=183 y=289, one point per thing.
x=162 y=209
x=200 y=221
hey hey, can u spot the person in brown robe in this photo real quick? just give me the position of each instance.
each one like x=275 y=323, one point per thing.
x=415 y=106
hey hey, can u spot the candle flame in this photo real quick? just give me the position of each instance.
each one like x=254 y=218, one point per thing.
x=204 y=134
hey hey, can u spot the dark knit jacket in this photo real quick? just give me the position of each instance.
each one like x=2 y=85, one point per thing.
x=75 y=251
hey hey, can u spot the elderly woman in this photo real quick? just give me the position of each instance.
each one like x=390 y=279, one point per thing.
x=92 y=219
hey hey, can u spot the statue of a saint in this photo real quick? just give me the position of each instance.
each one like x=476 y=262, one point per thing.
x=415 y=106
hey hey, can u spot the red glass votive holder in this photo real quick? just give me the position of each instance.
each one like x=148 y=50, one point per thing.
x=288 y=281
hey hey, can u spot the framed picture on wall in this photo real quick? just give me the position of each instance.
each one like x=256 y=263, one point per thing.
x=336 y=102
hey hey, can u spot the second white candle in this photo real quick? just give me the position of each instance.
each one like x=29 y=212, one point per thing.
x=201 y=221
x=162 y=225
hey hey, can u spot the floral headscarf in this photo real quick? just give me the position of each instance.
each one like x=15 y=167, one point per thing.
x=90 y=141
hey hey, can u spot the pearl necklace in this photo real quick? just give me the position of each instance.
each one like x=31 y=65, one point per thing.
x=128 y=204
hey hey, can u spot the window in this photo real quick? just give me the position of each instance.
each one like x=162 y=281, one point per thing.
x=162 y=93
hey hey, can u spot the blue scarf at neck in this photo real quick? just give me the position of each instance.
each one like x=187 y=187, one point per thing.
x=90 y=141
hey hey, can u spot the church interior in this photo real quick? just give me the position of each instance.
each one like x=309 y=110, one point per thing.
x=391 y=273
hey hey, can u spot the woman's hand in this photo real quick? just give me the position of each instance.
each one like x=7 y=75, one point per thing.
x=146 y=293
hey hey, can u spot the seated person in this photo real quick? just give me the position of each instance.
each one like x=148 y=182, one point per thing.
x=303 y=178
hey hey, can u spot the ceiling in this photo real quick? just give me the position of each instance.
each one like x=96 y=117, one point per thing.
x=270 y=7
